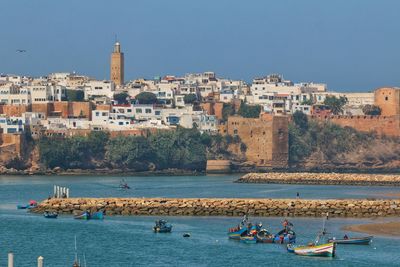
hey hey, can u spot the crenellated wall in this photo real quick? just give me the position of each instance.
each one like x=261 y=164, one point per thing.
x=382 y=125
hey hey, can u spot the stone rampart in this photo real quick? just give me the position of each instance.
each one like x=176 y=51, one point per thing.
x=381 y=125
x=321 y=178
x=224 y=207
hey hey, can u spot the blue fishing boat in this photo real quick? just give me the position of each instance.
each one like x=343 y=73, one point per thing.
x=243 y=229
x=366 y=240
x=32 y=204
x=285 y=237
x=162 y=226
x=97 y=216
x=248 y=239
x=50 y=215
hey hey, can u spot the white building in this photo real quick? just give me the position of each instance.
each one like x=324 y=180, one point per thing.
x=99 y=88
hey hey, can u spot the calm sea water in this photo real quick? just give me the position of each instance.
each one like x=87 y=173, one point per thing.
x=129 y=241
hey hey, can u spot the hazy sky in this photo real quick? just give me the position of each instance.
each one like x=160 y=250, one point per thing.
x=348 y=44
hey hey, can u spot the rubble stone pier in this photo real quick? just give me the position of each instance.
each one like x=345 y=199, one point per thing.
x=321 y=178
x=224 y=207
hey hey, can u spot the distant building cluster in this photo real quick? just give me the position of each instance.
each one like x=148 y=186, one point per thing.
x=69 y=103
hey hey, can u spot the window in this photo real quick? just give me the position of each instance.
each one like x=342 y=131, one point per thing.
x=104 y=114
x=138 y=110
x=120 y=123
x=97 y=114
x=148 y=110
x=386 y=98
x=129 y=110
x=157 y=112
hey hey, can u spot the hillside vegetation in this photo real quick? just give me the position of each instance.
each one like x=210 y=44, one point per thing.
x=186 y=149
x=316 y=144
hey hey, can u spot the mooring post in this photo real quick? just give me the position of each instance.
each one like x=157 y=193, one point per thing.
x=40 y=261
x=10 y=259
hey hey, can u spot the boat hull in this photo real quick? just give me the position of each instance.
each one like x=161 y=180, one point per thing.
x=237 y=234
x=97 y=216
x=248 y=239
x=353 y=241
x=166 y=229
x=83 y=216
x=324 y=250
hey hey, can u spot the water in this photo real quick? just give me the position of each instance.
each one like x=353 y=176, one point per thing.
x=129 y=241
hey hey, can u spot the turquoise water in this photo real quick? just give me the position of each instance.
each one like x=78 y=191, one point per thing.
x=129 y=241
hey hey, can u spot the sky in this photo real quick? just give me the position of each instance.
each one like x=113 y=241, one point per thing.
x=352 y=45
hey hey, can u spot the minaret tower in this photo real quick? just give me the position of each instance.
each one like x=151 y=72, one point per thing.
x=117 y=65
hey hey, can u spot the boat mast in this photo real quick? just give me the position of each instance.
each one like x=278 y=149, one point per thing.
x=76 y=263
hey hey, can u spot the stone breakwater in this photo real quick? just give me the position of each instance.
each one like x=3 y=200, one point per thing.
x=321 y=178
x=223 y=207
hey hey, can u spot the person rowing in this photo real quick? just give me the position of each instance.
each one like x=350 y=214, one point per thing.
x=124 y=185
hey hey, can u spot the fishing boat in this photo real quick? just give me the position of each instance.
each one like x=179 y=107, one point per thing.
x=124 y=185
x=97 y=216
x=248 y=239
x=264 y=236
x=366 y=240
x=50 y=215
x=162 y=226
x=285 y=237
x=316 y=248
x=22 y=207
x=243 y=229
x=323 y=250
x=83 y=216
x=32 y=204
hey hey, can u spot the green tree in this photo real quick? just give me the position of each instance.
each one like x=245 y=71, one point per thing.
x=131 y=152
x=309 y=102
x=227 y=110
x=190 y=98
x=75 y=95
x=248 y=111
x=97 y=141
x=300 y=120
x=371 y=110
x=146 y=98
x=336 y=104
x=182 y=148
x=122 y=97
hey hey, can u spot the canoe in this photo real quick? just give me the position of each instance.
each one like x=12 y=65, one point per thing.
x=97 y=216
x=83 y=216
x=323 y=250
x=248 y=239
x=353 y=241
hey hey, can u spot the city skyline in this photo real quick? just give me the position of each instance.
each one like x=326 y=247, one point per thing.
x=326 y=43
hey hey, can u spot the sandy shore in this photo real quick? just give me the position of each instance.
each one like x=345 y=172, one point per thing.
x=386 y=229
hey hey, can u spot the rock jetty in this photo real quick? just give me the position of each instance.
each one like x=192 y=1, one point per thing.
x=321 y=178
x=223 y=207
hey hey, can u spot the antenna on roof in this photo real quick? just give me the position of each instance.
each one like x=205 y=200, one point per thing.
x=116 y=39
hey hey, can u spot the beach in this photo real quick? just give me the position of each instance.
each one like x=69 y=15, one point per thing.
x=385 y=228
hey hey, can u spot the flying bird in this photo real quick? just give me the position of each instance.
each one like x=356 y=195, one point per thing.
x=21 y=50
